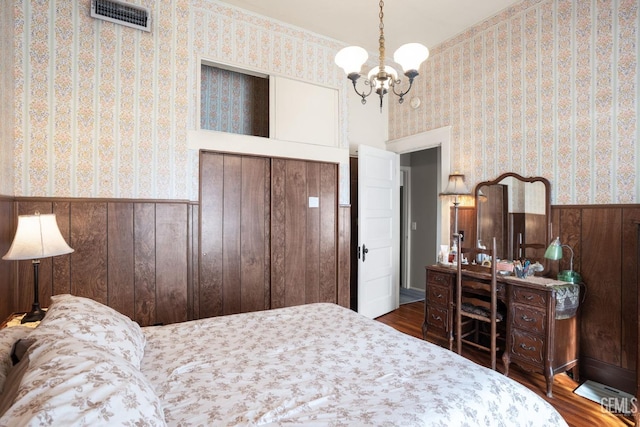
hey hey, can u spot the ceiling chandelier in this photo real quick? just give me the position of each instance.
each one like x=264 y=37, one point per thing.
x=382 y=77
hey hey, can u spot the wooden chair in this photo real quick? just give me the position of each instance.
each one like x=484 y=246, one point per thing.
x=477 y=303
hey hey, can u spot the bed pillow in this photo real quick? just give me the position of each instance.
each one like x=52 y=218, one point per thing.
x=8 y=337
x=90 y=321
x=75 y=382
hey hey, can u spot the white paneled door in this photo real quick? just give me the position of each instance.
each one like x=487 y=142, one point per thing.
x=378 y=231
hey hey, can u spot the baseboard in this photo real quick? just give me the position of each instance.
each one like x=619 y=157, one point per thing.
x=611 y=375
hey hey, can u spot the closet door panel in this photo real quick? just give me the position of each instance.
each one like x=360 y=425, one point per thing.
x=304 y=232
x=211 y=225
x=254 y=207
x=278 y=225
x=312 y=264
x=295 y=232
x=328 y=285
x=231 y=216
x=268 y=233
x=234 y=242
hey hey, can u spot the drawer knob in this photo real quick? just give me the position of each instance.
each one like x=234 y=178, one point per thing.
x=527 y=318
x=528 y=297
x=439 y=296
x=527 y=348
x=436 y=317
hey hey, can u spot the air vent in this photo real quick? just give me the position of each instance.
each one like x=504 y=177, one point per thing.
x=131 y=15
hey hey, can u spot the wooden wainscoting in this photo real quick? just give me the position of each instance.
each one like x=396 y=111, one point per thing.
x=140 y=257
x=131 y=255
x=605 y=254
x=8 y=270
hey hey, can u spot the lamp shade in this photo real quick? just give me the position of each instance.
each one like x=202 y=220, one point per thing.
x=456 y=186
x=554 y=251
x=410 y=56
x=351 y=58
x=37 y=236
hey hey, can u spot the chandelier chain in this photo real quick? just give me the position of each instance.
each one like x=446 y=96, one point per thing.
x=381 y=39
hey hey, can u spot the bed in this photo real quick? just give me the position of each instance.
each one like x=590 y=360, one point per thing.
x=313 y=365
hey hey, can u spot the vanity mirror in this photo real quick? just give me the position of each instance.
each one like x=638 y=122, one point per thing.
x=517 y=211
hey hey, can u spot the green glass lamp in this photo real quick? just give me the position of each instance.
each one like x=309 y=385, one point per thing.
x=554 y=252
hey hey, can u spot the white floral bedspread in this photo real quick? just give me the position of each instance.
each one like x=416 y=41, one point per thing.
x=323 y=365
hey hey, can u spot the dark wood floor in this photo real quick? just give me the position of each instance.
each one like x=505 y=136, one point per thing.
x=576 y=410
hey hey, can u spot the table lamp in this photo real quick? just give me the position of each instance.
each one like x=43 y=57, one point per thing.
x=37 y=237
x=456 y=187
x=554 y=252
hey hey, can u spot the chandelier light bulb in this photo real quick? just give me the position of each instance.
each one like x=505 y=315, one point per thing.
x=351 y=58
x=410 y=56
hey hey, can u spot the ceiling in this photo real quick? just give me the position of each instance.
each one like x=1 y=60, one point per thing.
x=355 y=22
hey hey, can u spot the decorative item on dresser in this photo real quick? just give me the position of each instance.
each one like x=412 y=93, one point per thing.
x=554 y=252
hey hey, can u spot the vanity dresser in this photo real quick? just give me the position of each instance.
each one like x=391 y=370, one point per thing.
x=542 y=314
x=541 y=323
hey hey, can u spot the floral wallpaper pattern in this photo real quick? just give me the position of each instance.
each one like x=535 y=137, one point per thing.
x=545 y=88
x=102 y=110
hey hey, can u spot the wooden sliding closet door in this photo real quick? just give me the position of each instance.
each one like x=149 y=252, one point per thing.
x=269 y=233
x=304 y=232
x=234 y=239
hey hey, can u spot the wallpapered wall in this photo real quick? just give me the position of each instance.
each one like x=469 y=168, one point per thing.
x=102 y=110
x=545 y=88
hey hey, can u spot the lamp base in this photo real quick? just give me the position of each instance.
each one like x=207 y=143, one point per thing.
x=36 y=314
x=569 y=276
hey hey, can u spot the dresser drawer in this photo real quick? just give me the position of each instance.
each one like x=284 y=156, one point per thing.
x=437 y=318
x=528 y=318
x=437 y=294
x=438 y=278
x=527 y=346
x=529 y=296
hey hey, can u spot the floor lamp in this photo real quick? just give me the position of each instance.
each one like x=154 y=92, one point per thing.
x=456 y=187
x=37 y=237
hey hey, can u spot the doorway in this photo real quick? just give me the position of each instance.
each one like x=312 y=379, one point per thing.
x=419 y=216
x=419 y=205
x=405 y=224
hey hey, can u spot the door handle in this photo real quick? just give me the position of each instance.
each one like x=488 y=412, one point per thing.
x=365 y=251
